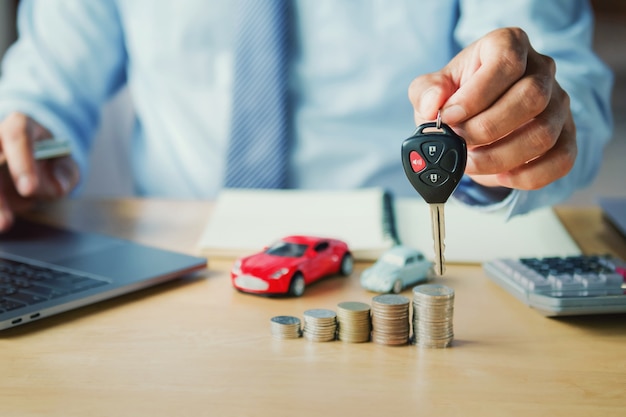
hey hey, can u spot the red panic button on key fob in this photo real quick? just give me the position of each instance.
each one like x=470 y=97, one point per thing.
x=417 y=162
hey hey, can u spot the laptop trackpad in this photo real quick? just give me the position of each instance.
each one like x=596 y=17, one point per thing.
x=48 y=244
x=101 y=255
x=127 y=261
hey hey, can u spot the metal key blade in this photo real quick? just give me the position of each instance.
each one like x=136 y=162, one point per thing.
x=439 y=233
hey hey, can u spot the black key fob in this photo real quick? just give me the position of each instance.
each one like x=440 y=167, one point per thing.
x=434 y=160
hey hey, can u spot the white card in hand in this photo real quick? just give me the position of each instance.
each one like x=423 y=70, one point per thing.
x=52 y=148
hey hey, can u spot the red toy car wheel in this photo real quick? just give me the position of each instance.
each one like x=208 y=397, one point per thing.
x=297 y=285
x=347 y=264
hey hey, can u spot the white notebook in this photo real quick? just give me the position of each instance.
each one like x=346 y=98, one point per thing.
x=245 y=221
x=473 y=236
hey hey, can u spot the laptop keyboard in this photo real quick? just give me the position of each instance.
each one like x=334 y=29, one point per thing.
x=23 y=284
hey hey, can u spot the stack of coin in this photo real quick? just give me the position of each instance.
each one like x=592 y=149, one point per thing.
x=433 y=308
x=390 y=319
x=320 y=325
x=353 y=320
x=285 y=327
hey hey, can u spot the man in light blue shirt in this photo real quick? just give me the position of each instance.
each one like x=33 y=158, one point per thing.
x=535 y=131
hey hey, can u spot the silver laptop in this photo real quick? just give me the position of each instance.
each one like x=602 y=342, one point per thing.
x=46 y=270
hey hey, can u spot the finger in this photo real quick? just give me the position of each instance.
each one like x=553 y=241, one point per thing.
x=428 y=93
x=524 y=144
x=18 y=151
x=551 y=166
x=59 y=176
x=484 y=71
x=526 y=99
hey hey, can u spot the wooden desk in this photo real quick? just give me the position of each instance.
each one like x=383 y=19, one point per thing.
x=199 y=348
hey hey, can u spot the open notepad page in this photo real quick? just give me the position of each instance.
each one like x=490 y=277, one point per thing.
x=473 y=236
x=245 y=221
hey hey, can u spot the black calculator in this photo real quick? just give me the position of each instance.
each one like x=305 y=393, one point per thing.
x=564 y=286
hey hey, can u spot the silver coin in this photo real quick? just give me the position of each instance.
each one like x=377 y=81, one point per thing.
x=285 y=320
x=285 y=327
x=433 y=290
x=355 y=306
x=320 y=313
x=390 y=299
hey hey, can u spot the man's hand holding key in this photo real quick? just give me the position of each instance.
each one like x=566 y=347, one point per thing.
x=502 y=98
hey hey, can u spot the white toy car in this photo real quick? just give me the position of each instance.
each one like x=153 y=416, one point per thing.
x=397 y=269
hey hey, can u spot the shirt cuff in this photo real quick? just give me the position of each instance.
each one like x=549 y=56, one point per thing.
x=483 y=198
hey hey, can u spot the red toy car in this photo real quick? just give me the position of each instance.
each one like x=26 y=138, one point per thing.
x=291 y=264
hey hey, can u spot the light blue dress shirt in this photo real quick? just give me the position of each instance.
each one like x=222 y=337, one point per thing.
x=355 y=61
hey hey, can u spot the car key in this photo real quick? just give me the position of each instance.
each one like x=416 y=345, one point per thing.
x=434 y=160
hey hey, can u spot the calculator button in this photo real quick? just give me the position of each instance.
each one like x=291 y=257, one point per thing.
x=536 y=282
x=519 y=272
x=592 y=281
x=525 y=276
x=565 y=284
x=594 y=284
x=613 y=280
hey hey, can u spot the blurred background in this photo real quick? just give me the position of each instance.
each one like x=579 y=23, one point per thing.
x=110 y=173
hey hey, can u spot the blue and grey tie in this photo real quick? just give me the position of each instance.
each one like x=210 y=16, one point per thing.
x=258 y=152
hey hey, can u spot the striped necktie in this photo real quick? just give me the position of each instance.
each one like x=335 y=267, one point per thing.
x=258 y=151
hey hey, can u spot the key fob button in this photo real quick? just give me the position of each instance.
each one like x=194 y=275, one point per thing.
x=450 y=160
x=434 y=177
x=432 y=150
x=433 y=172
x=417 y=162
